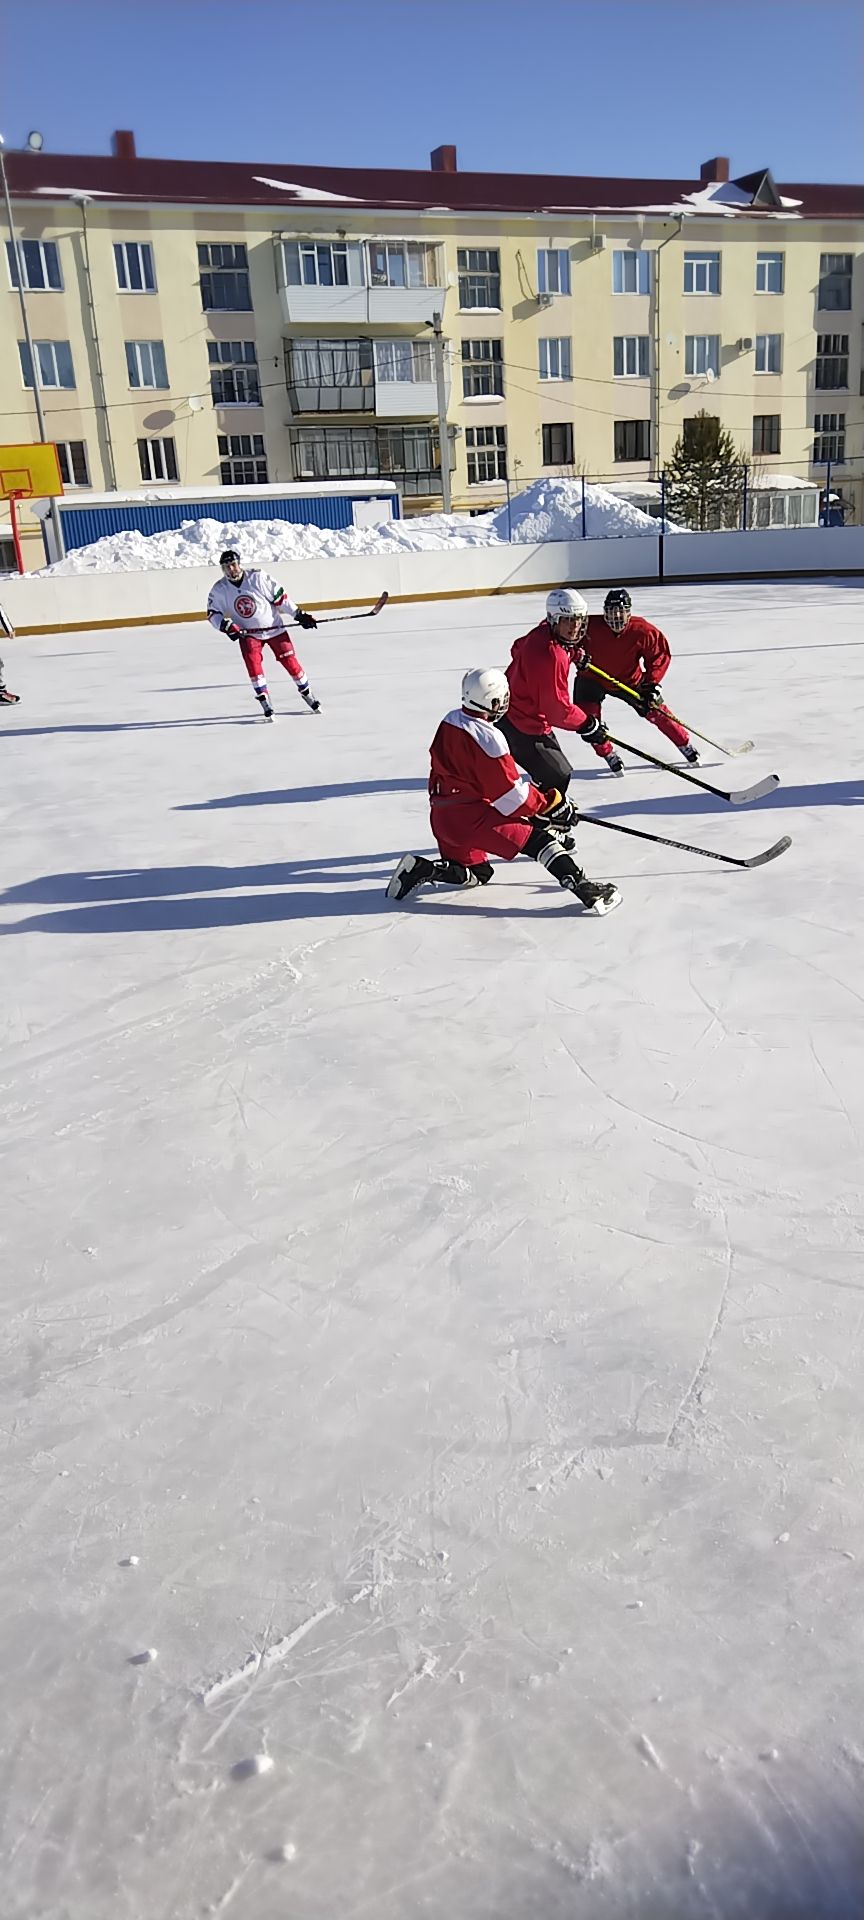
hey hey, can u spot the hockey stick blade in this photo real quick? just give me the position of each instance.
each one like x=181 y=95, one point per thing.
x=686 y=846
x=739 y=799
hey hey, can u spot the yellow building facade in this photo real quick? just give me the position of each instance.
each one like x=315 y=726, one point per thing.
x=202 y=324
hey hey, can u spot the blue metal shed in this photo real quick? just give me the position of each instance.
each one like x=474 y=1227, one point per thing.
x=89 y=517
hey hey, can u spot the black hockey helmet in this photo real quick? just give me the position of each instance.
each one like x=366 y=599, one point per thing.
x=617 y=607
x=229 y=558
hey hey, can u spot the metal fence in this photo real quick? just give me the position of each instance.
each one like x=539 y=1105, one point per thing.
x=749 y=498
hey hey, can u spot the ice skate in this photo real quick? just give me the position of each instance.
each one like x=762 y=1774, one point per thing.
x=615 y=765
x=8 y=699
x=598 y=896
x=412 y=871
x=265 y=706
x=311 y=702
x=691 y=755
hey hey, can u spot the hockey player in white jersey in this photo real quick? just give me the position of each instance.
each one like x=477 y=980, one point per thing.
x=249 y=607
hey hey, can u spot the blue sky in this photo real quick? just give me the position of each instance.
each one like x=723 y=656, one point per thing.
x=604 y=86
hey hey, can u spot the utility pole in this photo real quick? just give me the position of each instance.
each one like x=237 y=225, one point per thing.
x=441 y=387
x=18 y=253
x=656 y=384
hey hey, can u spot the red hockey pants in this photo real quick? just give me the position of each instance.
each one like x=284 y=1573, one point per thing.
x=468 y=832
x=252 y=648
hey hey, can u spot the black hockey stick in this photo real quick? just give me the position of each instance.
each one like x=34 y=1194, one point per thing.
x=684 y=846
x=366 y=613
x=739 y=799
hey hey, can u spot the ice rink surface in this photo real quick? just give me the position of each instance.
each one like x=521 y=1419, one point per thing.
x=452 y=1314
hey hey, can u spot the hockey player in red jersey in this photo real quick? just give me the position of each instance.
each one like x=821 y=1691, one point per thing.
x=249 y=607
x=7 y=699
x=479 y=804
x=539 y=676
x=628 y=647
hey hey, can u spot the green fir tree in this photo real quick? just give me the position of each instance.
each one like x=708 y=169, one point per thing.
x=705 y=476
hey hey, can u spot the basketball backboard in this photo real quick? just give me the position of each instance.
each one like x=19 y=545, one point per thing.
x=29 y=471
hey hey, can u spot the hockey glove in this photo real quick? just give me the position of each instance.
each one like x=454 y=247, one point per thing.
x=648 y=697
x=560 y=813
x=305 y=619
x=594 y=731
x=232 y=632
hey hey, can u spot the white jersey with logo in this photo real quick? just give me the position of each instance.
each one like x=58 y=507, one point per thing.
x=255 y=604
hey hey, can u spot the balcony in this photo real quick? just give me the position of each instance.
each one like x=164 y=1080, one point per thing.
x=360 y=306
x=410 y=456
x=391 y=379
x=351 y=283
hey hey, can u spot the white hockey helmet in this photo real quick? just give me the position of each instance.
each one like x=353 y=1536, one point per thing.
x=485 y=691
x=564 y=603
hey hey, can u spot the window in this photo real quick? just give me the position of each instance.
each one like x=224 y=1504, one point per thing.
x=558 y=444
x=402 y=263
x=41 y=265
x=631 y=271
x=407 y=361
x=157 y=459
x=553 y=270
x=410 y=455
x=482 y=369
x=72 y=455
x=769 y=272
x=691 y=431
x=701 y=273
x=832 y=360
x=835 y=282
x=769 y=353
x=486 y=449
x=234 y=378
x=145 y=363
x=242 y=461
x=479 y=277
x=702 y=353
x=829 y=437
x=632 y=439
x=766 y=433
x=133 y=263
x=630 y=356
x=224 y=271
x=54 y=361
x=323 y=263
x=555 y=360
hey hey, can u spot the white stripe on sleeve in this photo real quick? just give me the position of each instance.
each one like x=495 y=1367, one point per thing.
x=515 y=798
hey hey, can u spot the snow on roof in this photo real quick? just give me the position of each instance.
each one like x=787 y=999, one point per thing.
x=302 y=193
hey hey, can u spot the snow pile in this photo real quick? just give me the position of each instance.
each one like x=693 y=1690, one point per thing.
x=547 y=510
x=552 y=510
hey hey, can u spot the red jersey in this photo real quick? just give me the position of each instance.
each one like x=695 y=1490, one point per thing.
x=539 y=678
x=471 y=763
x=640 y=649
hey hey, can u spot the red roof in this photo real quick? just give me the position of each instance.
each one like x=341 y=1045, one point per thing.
x=220 y=183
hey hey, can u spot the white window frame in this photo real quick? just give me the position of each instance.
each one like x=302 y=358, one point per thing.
x=125 y=250
x=700 y=265
x=764 y=351
x=18 y=252
x=465 y=274
x=642 y=263
x=309 y=258
x=141 y=359
x=404 y=362
x=704 y=347
x=556 y=358
x=64 y=448
x=419 y=259
x=635 y=348
x=160 y=442
x=765 y=262
x=553 y=270
x=49 y=349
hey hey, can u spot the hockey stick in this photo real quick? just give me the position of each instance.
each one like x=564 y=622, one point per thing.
x=367 y=613
x=684 y=846
x=741 y=798
x=745 y=747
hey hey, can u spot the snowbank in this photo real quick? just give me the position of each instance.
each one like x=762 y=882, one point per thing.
x=547 y=510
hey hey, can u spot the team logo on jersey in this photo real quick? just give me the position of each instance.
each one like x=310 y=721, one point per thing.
x=244 y=605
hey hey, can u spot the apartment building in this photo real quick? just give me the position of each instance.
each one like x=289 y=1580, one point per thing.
x=207 y=323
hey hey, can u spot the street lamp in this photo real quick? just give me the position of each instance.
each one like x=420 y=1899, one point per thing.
x=34 y=142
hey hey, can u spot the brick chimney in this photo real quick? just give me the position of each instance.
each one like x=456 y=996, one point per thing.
x=443 y=160
x=715 y=170
x=123 y=144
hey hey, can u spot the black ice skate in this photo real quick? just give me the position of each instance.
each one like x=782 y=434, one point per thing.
x=8 y=699
x=411 y=872
x=615 y=765
x=265 y=706
x=598 y=896
x=311 y=702
x=691 y=755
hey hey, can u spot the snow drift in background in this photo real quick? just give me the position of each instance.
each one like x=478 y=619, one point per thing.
x=547 y=510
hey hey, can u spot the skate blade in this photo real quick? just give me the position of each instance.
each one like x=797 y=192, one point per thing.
x=407 y=866
x=601 y=907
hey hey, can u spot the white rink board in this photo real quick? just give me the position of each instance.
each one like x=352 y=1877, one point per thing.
x=454 y=1312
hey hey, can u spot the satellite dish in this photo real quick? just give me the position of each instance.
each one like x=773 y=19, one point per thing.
x=194 y=403
x=710 y=374
x=35 y=141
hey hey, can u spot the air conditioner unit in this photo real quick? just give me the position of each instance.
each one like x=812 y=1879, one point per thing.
x=544 y=299
x=745 y=344
x=598 y=243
